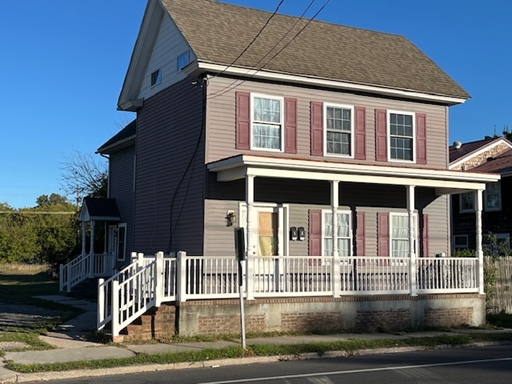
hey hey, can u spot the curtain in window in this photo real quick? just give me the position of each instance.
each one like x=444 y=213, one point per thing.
x=343 y=221
x=400 y=236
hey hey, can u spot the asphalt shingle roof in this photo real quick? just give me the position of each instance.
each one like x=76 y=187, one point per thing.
x=467 y=148
x=219 y=32
x=122 y=136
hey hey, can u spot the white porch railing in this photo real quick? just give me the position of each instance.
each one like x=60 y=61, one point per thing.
x=149 y=281
x=83 y=267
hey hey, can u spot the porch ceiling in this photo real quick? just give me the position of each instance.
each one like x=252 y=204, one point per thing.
x=444 y=182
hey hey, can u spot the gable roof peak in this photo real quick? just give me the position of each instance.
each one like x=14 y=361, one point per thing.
x=218 y=33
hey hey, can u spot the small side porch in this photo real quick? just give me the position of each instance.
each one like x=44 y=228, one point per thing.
x=90 y=263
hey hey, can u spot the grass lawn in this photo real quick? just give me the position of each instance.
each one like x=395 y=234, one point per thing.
x=19 y=284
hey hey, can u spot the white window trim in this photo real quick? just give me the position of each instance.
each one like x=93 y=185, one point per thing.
x=489 y=209
x=416 y=234
x=388 y=133
x=352 y=127
x=281 y=100
x=461 y=209
x=122 y=225
x=178 y=68
x=339 y=211
x=455 y=246
x=159 y=78
x=283 y=222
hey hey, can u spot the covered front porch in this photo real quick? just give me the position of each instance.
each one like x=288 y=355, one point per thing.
x=402 y=243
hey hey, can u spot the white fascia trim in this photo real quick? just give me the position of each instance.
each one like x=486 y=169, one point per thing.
x=342 y=169
x=478 y=152
x=263 y=74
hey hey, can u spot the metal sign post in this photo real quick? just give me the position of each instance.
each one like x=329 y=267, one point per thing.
x=240 y=255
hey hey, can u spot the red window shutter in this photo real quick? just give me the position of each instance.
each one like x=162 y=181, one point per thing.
x=381 y=137
x=383 y=234
x=315 y=232
x=290 y=125
x=317 y=128
x=360 y=133
x=424 y=234
x=421 y=138
x=360 y=238
x=243 y=120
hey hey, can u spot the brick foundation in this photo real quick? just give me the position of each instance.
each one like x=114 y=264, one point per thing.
x=372 y=321
x=308 y=314
x=448 y=316
x=310 y=321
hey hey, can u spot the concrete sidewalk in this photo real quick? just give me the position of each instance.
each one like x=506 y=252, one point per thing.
x=68 y=339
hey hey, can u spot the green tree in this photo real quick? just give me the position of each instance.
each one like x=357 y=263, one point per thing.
x=57 y=228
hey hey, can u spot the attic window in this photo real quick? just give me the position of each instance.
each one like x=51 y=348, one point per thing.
x=156 y=77
x=183 y=60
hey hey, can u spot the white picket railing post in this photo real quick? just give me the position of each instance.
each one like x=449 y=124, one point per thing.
x=133 y=256
x=181 y=276
x=336 y=276
x=159 y=278
x=101 y=304
x=115 y=308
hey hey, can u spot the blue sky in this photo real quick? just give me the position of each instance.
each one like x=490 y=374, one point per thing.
x=62 y=65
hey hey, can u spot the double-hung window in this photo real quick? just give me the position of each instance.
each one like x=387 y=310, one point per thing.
x=400 y=235
x=344 y=233
x=493 y=196
x=467 y=202
x=339 y=128
x=267 y=122
x=401 y=136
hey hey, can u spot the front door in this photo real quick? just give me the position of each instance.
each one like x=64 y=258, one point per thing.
x=269 y=223
x=117 y=241
x=267 y=240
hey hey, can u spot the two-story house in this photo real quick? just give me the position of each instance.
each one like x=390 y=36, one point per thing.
x=489 y=155
x=316 y=138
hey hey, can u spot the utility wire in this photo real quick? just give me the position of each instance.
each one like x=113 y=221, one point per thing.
x=268 y=53
x=273 y=57
x=252 y=42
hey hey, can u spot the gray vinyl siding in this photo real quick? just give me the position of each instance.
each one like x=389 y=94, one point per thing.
x=221 y=120
x=368 y=198
x=170 y=171
x=121 y=188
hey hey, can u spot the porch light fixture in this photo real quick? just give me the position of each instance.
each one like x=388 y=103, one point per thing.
x=230 y=217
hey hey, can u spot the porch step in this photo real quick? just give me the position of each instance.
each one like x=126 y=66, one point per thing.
x=156 y=323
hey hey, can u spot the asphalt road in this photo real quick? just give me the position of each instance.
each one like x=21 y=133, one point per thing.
x=492 y=365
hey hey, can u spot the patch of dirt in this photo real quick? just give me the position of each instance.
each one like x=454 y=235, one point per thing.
x=15 y=315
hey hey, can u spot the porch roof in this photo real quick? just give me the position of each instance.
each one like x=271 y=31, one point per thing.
x=444 y=181
x=99 y=209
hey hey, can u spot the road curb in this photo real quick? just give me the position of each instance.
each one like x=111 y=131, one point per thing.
x=47 y=376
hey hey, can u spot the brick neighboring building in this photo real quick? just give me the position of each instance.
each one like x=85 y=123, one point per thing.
x=488 y=155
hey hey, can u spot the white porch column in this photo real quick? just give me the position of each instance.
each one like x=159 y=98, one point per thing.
x=412 y=239
x=479 y=250
x=251 y=248
x=84 y=237
x=334 y=206
x=335 y=252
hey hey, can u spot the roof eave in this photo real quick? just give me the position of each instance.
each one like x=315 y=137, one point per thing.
x=121 y=144
x=198 y=67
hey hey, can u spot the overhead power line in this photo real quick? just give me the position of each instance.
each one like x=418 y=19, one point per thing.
x=252 y=42
x=37 y=213
x=219 y=93
x=224 y=91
